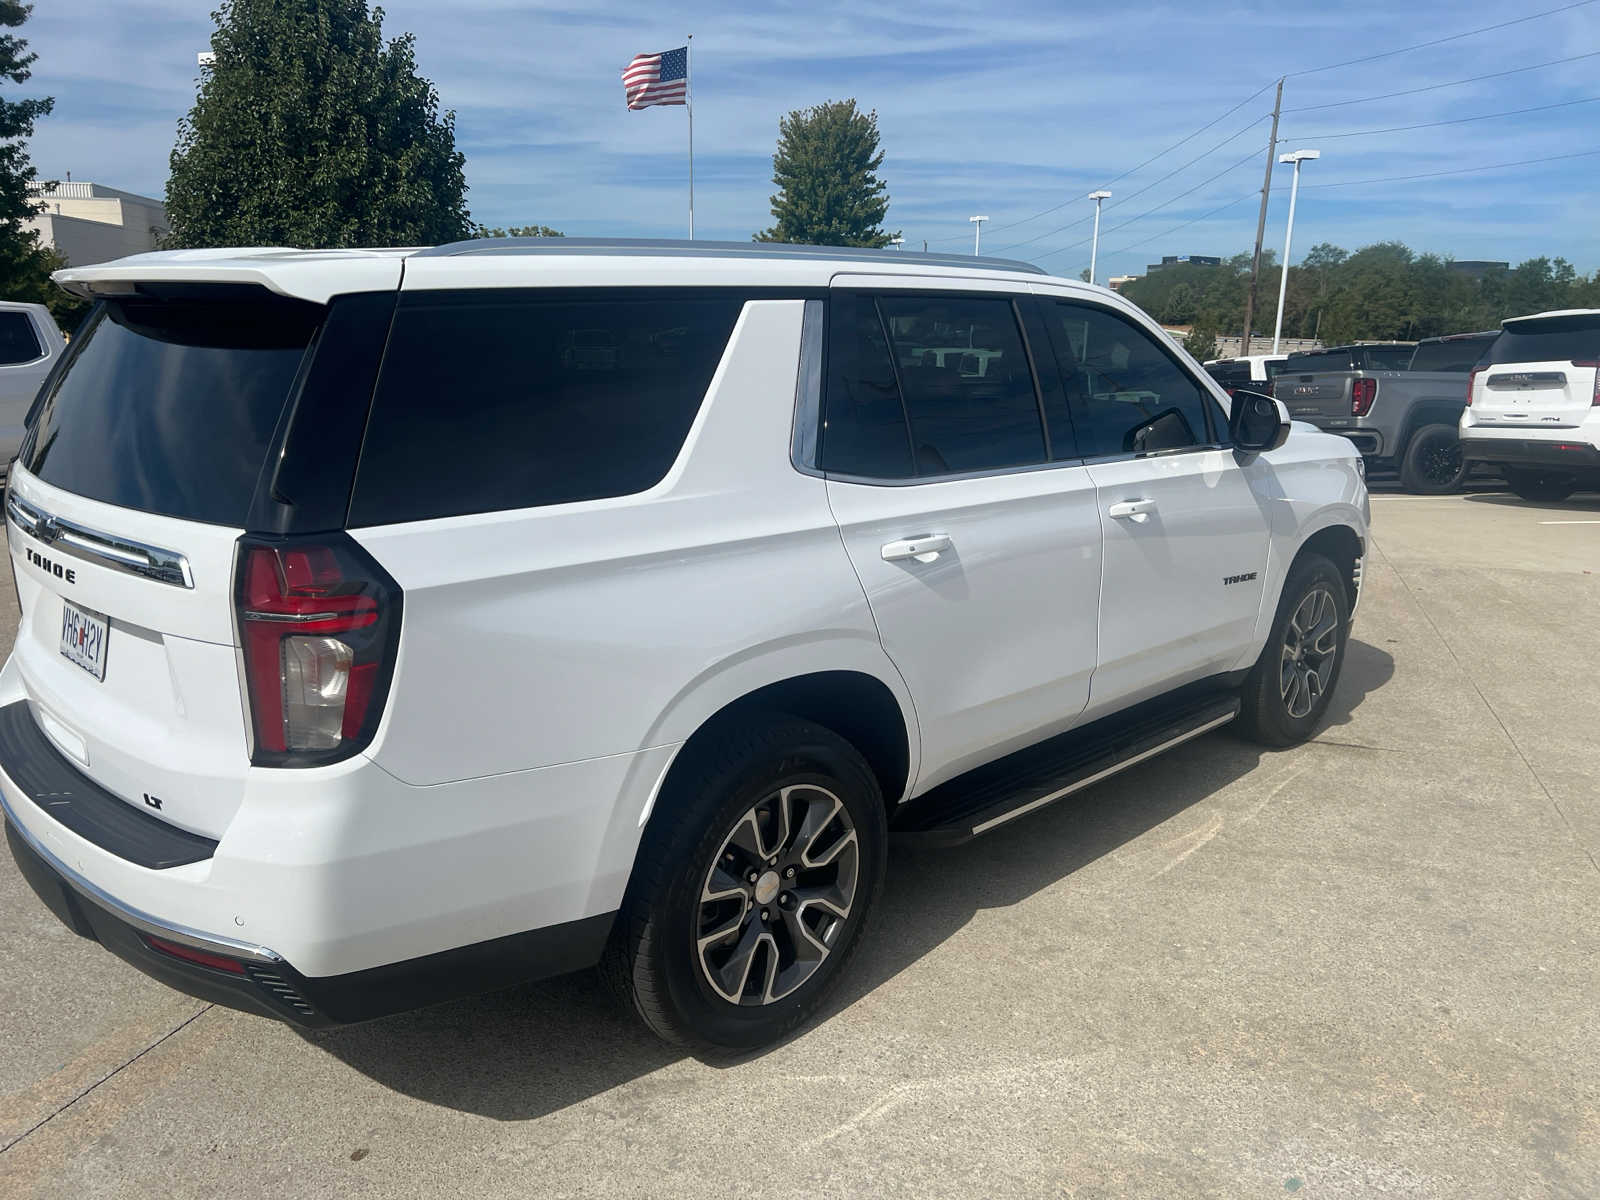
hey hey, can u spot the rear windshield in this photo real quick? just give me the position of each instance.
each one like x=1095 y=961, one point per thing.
x=1274 y=369
x=168 y=406
x=1314 y=361
x=1230 y=374
x=1457 y=355
x=1386 y=358
x=493 y=400
x=1554 y=339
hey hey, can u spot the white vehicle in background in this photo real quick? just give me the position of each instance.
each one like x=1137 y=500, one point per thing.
x=30 y=344
x=371 y=651
x=1533 y=404
x=1252 y=371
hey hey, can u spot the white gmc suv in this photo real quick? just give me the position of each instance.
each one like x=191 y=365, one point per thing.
x=401 y=623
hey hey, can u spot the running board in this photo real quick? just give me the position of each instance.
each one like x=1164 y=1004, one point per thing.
x=999 y=792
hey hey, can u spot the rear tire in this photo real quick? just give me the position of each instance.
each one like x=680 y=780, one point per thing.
x=1539 y=486
x=775 y=832
x=1433 y=463
x=1287 y=692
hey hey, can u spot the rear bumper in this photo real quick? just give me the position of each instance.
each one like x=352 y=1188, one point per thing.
x=259 y=981
x=1562 y=454
x=1369 y=441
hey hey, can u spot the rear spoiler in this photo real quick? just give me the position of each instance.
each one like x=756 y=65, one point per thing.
x=314 y=275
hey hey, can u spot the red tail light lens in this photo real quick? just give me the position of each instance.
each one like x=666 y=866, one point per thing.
x=1472 y=383
x=1593 y=364
x=1362 y=393
x=319 y=624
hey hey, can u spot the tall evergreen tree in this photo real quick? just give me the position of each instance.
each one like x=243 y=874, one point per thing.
x=310 y=131
x=829 y=193
x=25 y=265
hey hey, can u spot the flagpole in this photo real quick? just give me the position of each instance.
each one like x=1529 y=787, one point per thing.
x=688 y=90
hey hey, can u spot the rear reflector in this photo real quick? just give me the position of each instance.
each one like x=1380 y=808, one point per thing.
x=203 y=958
x=319 y=623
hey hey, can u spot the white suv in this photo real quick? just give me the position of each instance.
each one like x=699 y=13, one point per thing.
x=1533 y=404
x=376 y=646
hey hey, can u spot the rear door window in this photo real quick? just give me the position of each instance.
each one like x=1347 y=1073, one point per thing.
x=864 y=428
x=19 y=341
x=168 y=406
x=1127 y=393
x=493 y=400
x=1574 y=339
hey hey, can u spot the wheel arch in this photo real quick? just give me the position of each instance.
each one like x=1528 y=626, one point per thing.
x=1342 y=546
x=1429 y=412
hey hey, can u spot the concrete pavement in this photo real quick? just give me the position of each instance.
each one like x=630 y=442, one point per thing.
x=1363 y=966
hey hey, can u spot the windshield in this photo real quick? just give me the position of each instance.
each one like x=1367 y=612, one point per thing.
x=1552 y=339
x=168 y=406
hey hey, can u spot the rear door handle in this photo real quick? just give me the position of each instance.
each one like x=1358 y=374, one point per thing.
x=924 y=548
x=1132 y=508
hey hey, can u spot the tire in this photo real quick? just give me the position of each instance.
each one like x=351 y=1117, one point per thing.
x=1539 y=486
x=1433 y=464
x=1278 y=710
x=718 y=818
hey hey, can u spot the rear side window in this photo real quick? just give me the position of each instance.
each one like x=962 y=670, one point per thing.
x=1574 y=339
x=19 y=343
x=1456 y=355
x=168 y=406
x=1127 y=393
x=499 y=400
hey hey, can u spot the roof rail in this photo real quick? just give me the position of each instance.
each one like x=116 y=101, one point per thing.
x=676 y=248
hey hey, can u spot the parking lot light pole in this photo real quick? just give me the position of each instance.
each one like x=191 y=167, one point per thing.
x=899 y=243
x=1296 y=157
x=1094 y=244
x=977 y=232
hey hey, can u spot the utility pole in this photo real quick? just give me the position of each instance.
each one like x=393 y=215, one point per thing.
x=1261 y=225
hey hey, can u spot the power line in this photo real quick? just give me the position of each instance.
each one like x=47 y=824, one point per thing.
x=1183 y=225
x=1555 y=62
x=1132 y=195
x=1515 y=112
x=1521 y=162
x=1454 y=37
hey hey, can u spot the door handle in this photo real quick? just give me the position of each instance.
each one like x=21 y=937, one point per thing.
x=1132 y=508
x=924 y=548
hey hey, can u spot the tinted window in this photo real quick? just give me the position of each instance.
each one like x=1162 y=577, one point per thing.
x=1128 y=395
x=1458 y=355
x=498 y=400
x=168 y=406
x=1274 y=369
x=964 y=375
x=1554 y=339
x=864 y=426
x=1230 y=374
x=1318 y=360
x=1386 y=358
x=18 y=341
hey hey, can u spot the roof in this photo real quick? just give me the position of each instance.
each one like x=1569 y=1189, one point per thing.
x=318 y=275
x=1553 y=314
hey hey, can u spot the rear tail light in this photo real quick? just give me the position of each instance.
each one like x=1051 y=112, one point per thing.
x=1593 y=364
x=1362 y=393
x=319 y=623
x=1472 y=382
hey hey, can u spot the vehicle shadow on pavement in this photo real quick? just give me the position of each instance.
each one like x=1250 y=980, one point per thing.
x=1583 y=502
x=528 y=1051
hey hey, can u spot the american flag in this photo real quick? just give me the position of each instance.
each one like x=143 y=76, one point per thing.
x=660 y=78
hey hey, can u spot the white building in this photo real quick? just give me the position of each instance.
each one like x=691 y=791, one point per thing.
x=90 y=223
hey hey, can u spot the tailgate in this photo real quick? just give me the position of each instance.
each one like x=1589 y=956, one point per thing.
x=1540 y=373
x=123 y=514
x=1321 y=396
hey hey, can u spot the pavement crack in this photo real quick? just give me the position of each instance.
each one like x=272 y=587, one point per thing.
x=1510 y=737
x=111 y=1074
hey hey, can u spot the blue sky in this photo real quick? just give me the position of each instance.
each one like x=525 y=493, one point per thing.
x=1006 y=108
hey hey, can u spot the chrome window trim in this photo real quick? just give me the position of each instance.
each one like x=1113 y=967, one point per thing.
x=102 y=549
x=143 y=921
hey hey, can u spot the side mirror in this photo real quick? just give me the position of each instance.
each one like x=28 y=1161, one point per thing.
x=1257 y=423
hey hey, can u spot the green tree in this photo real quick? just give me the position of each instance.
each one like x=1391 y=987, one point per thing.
x=309 y=130
x=829 y=193
x=25 y=264
x=483 y=231
x=1202 y=341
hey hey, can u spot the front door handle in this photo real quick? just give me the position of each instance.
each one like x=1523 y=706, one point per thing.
x=1132 y=508
x=924 y=548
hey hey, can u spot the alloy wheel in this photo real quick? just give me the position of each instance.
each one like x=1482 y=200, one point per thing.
x=1441 y=461
x=777 y=895
x=1310 y=645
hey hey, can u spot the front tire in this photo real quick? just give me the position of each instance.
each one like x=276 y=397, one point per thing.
x=1540 y=486
x=1433 y=463
x=752 y=886
x=1287 y=692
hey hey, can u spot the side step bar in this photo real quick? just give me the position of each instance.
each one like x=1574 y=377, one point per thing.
x=999 y=792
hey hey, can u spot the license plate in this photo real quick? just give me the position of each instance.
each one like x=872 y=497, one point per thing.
x=84 y=635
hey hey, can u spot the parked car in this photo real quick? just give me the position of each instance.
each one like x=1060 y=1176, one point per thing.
x=1252 y=371
x=404 y=658
x=1533 y=408
x=1358 y=356
x=30 y=344
x=1402 y=419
